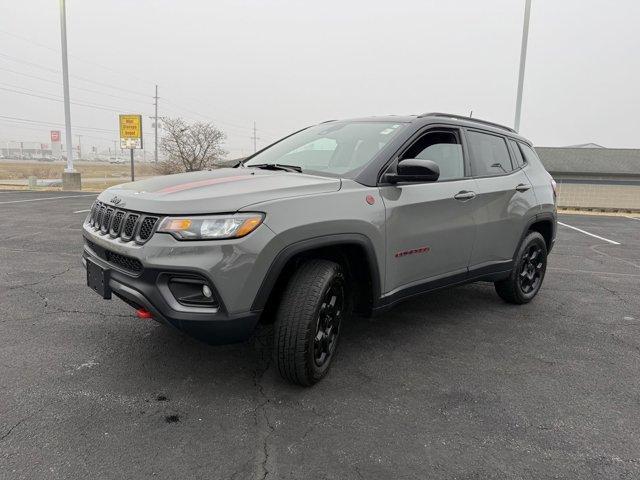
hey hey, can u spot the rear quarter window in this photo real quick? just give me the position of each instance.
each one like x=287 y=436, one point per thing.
x=529 y=153
x=520 y=161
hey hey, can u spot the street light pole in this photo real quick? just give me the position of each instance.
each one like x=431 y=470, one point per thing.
x=65 y=81
x=523 y=59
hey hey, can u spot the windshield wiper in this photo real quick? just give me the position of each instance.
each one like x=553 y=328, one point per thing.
x=277 y=166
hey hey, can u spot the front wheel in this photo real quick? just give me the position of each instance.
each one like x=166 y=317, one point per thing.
x=525 y=279
x=313 y=308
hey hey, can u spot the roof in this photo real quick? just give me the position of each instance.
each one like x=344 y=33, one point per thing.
x=590 y=161
x=585 y=145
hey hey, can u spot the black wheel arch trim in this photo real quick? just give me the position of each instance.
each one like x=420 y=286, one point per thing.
x=288 y=252
x=539 y=217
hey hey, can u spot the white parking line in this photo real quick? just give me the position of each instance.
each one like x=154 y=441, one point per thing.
x=634 y=218
x=83 y=211
x=49 y=198
x=588 y=233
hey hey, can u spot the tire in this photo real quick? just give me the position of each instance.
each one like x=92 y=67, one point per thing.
x=314 y=305
x=527 y=275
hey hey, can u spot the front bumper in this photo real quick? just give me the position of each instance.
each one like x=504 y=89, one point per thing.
x=210 y=325
x=229 y=268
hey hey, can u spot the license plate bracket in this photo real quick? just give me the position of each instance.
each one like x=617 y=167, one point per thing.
x=98 y=279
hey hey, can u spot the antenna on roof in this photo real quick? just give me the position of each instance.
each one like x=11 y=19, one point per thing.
x=471 y=114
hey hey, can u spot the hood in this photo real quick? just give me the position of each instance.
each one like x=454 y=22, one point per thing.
x=224 y=190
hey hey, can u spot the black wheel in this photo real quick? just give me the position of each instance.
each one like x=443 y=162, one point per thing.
x=528 y=272
x=313 y=307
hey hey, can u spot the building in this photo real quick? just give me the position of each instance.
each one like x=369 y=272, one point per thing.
x=594 y=177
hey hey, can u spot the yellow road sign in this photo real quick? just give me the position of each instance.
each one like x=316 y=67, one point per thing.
x=130 y=131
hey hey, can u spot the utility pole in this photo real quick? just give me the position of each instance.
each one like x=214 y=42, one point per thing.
x=65 y=82
x=115 y=149
x=255 y=138
x=523 y=59
x=79 y=147
x=155 y=126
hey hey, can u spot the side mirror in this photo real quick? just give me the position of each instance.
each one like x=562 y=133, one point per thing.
x=414 y=170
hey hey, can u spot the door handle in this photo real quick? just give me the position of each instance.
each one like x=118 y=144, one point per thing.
x=523 y=187
x=464 y=195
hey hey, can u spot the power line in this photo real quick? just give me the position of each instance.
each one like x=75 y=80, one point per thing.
x=36 y=129
x=205 y=117
x=74 y=87
x=90 y=62
x=58 y=99
x=57 y=96
x=84 y=79
x=28 y=120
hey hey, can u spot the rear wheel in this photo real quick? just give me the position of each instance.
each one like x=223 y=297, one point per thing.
x=314 y=305
x=527 y=275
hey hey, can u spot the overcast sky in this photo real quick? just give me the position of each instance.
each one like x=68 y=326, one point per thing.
x=290 y=63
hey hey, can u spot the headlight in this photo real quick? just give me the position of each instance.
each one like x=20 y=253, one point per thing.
x=214 y=227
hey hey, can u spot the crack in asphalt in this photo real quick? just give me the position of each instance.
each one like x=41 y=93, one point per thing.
x=56 y=309
x=20 y=422
x=50 y=277
x=628 y=262
x=263 y=463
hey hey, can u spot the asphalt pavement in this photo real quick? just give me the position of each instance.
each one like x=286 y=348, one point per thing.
x=455 y=384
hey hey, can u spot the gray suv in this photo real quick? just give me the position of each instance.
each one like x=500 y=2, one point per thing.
x=341 y=217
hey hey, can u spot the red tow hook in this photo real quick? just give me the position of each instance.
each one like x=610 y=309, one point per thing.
x=142 y=313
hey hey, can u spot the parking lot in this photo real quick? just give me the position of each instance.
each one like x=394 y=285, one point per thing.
x=456 y=384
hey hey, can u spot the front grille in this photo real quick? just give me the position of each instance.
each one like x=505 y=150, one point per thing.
x=130 y=264
x=120 y=223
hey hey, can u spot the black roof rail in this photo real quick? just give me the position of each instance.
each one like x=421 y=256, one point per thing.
x=469 y=119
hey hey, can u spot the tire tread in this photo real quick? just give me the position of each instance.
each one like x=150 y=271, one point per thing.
x=295 y=316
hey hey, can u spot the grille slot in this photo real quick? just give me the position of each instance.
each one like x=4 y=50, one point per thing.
x=123 y=224
x=106 y=220
x=129 y=226
x=146 y=228
x=94 y=211
x=99 y=214
x=117 y=223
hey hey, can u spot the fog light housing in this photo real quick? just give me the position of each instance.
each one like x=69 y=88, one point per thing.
x=193 y=292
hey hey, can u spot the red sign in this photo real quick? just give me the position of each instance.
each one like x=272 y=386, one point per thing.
x=55 y=135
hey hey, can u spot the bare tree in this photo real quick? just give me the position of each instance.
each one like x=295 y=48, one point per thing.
x=190 y=147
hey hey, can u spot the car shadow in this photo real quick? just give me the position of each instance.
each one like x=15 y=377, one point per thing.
x=172 y=356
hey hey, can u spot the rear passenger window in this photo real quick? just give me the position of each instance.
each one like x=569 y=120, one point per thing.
x=489 y=154
x=442 y=147
x=518 y=154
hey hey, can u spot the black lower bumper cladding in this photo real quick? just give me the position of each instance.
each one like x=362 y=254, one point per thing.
x=149 y=290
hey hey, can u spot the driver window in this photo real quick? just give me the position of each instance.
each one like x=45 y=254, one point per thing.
x=442 y=147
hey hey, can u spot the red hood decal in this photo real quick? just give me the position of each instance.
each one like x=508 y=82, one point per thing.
x=203 y=183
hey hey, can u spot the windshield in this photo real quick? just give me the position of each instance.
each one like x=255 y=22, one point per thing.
x=336 y=148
